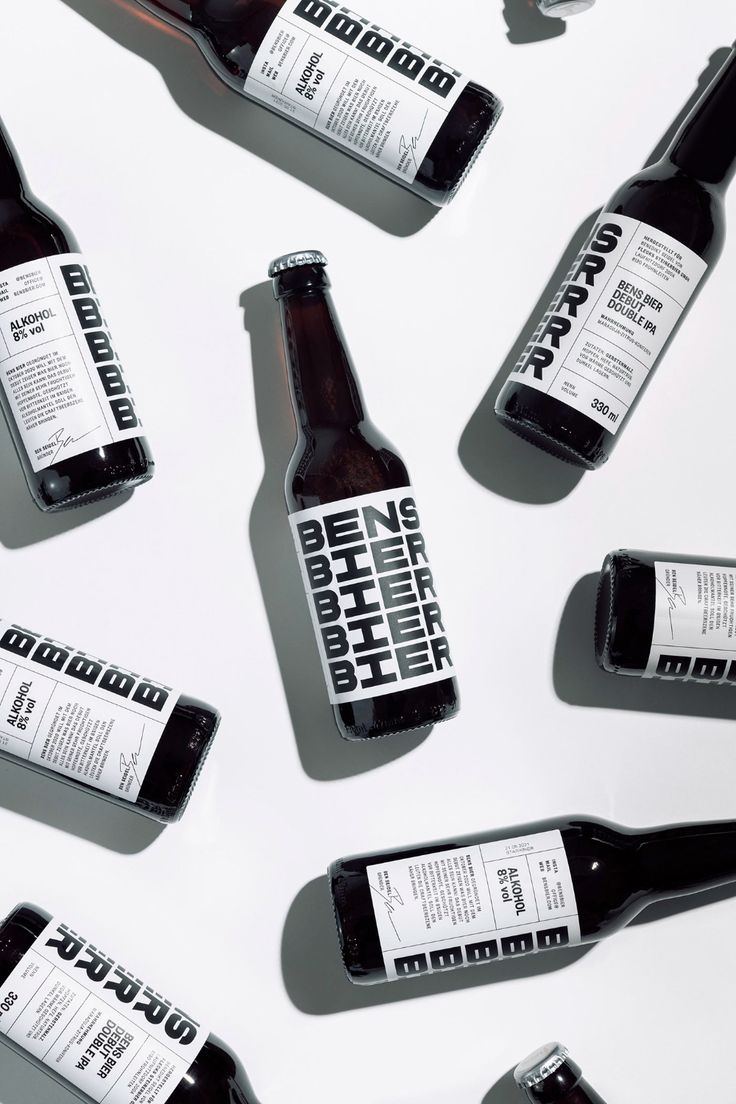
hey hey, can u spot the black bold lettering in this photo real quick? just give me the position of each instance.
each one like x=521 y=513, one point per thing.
x=76 y=279
x=342 y=528
x=438 y=81
x=327 y=606
x=411 y=965
x=83 y=668
x=414 y=660
x=343 y=677
x=311 y=536
x=555 y=329
x=375 y=45
x=672 y=666
x=369 y=641
x=117 y=682
x=405 y=625
x=441 y=653
x=573 y=297
x=100 y=346
x=358 y=592
x=517 y=945
x=485 y=951
x=88 y=313
x=606 y=238
x=590 y=267
x=18 y=641
x=377 y=676
x=709 y=670
x=389 y=554
x=150 y=695
x=318 y=571
x=50 y=655
x=314 y=11
x=539 y=358
x=397 y=590
x=552 y=937
x=352 y=570
x=448 y=959
x=345 y=27
x=335 y=641
x=405 y=62
x=112 y=379
x=124 y=413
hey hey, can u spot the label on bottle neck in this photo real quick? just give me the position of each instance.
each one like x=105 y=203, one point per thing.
x=470 y=905
x=694 y=623
x=365 y=89
x=606 y=327
x=77 y=715
x=69 y=1006
x=372 y=596
x=58 y=366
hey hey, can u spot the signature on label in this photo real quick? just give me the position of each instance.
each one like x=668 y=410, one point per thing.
x=57 y=438
x=394 y=898
x=410 y=144
x=675 y=595
x=130 y=765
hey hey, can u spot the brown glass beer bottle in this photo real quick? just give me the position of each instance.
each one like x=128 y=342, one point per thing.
x=354 y=517
x=62 y=389
x=131 y=1044
x=475 y=901
x=332 y=72
x=550 y=1076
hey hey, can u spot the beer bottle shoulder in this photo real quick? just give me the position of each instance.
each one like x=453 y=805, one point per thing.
x=233 y=33
x=672 y=201
x=28 y=230
x=331 y=463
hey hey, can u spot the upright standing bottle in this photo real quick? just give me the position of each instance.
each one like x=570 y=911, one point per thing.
x=596 y=347
x=130 y=1045
x=94 y=725
x=475 y=901
x=370 y=93
x=371 y=593
x=549 y=1076
x=62 y=388
x=667 y=617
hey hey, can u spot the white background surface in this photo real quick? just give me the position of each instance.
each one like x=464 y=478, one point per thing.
x=180 y=193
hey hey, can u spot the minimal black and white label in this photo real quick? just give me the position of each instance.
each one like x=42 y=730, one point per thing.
x=58 y=365
x=468 y=905
x=78 y=715
x=335 y=72
x=608 y=323
x=96 y=1024
x=372 y=595
x=694 y=623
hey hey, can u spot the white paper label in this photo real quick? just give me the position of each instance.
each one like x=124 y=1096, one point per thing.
x=58 y=365
x=365 y=89
x=95 y=1024
x=694 y=623
x=77 y=715
x=470 y=905
x=371 y=595
x=608 y=323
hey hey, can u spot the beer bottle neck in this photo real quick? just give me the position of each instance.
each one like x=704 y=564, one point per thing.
x=11 y=183
x=705 y=145
x=179 y=9
x=687 y=858
x=324 y=389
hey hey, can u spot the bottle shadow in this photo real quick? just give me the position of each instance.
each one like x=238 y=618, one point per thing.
x=21 y=521
x=316 y=982
x=68 y=809
x=578 y=680
x=505 y=1091
x=199 y=93
x=325 y=756
x=23 y=1083
x=526 y=23
x=507 y=465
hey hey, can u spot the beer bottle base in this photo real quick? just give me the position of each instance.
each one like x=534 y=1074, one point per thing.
x=398 y=713
x=553 y=427
x=92 y=476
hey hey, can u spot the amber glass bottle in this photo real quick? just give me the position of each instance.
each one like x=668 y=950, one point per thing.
x=395 y=108
x=95 y=725
x=550 y=1076
x=370 y=589
x=132 y=1041
x=596 y=348
x=475 y=901
x=660 y=615
x=62 y=389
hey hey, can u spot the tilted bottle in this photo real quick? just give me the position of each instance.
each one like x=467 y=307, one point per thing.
x=95 y=725
x=496 y=895
x=62 y=389
x=373 y=95
x=596 y=347
x=131 y=1046
x=667 y=617
x=371 y=593
x=550 y=1076
x=563 y=9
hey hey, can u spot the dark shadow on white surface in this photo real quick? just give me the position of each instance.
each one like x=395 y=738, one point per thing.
x=325 y=756
x=490 y=453
x=526 y=23
x=317 y=984
x=68 y=809
x=505 y=1091
x=210 y=103
x=21 y=521
x=22 y=1083
x=578 y=680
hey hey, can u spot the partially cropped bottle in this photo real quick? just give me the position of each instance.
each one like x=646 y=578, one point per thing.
x=370 y=93
x=95 y=725
x=665 y=616
x=596 y=348
x=370 y=588
x=95 y=1027
x=477 y=900
x=62 y=389
x=563 y=9
x=550 y=1076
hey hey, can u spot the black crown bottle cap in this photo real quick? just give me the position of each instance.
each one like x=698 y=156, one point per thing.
x=296 y=260
x=540 y=1065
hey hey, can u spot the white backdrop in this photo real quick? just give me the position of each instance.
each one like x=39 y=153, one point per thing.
x=180 y=193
